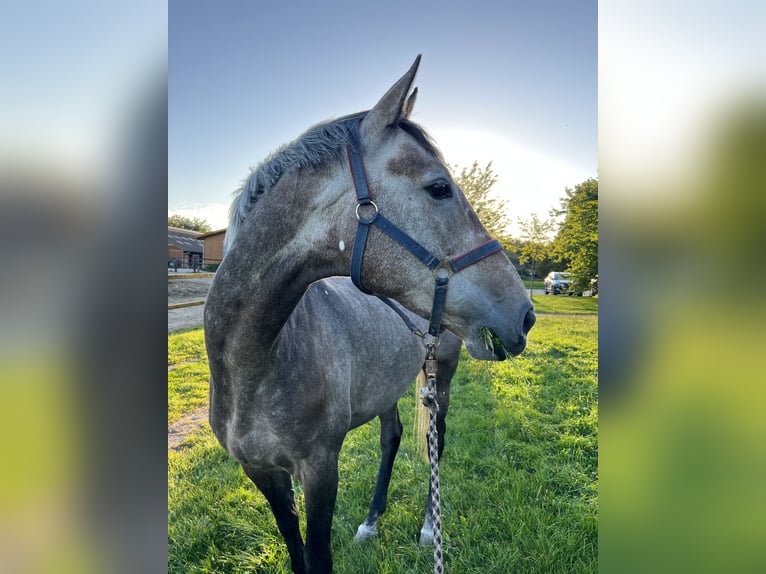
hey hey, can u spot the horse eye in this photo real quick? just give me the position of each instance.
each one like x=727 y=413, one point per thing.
x=440 y=190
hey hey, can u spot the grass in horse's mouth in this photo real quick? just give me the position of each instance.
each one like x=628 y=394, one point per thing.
x=492 y=342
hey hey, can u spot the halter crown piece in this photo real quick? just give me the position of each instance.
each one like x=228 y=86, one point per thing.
x=368 y=214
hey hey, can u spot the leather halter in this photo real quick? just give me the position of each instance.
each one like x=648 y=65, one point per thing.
x=368 y=214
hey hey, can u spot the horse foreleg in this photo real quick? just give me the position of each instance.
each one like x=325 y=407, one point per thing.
x=320 y=489
x=390 y=438
x=277 y=487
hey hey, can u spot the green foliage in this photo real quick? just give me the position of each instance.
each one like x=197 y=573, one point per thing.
x=476 y=184
x=576 y=244
x=190 y=223
x=519 y=476
x=536 y=238
x=535 y=244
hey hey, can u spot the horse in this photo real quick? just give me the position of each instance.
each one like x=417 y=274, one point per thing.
x=289 y=358
x=338 y=302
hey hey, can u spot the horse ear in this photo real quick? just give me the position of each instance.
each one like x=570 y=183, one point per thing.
x=410 y=103
x=391 y=107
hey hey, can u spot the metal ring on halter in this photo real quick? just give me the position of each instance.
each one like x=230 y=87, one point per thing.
x=374 y=215
x=443 y=270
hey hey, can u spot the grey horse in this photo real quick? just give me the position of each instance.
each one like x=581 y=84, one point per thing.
x=290 y=374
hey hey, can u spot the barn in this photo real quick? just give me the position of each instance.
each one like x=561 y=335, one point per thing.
x=185 y=246
x=213 y=247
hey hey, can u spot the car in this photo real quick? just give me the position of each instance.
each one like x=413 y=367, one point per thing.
x=557 y=282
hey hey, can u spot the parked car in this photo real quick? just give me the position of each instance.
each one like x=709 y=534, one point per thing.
x=557 y=282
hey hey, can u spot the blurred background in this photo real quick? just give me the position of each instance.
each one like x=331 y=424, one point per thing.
x=83 y=177
x=682 y=170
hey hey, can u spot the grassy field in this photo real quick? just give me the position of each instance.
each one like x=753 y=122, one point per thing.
x=536 y=283
x=188 y=373
x=561 y=304
x=519 y=473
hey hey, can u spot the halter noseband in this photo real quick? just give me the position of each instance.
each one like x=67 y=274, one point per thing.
x=443 y=269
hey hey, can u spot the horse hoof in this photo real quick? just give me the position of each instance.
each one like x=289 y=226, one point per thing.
x=426 y=537
x=364 y=532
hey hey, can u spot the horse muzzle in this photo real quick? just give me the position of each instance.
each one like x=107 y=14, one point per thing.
x=494 y=343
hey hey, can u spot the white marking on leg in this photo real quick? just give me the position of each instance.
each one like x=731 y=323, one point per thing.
x=427 y=532
x=341 y=245
x=426 y=537
x=365 y=531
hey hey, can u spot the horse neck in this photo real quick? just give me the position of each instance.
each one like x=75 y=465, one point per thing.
x=281 y=249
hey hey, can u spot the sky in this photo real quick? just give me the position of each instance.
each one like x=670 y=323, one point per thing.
x=514 y=83
x=667 y=70
x=74 y=70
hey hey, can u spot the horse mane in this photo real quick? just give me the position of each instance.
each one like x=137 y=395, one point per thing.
x=319 y=144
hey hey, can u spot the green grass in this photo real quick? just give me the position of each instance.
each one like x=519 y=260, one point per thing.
x=562 y=304
x=519 y=477
x=188 y=373
x=536 y=283
x=186 y=347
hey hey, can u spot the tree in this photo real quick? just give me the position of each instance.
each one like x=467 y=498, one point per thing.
x=576 y=243
x=193 y=224
x=536 y=242
x=476 y=184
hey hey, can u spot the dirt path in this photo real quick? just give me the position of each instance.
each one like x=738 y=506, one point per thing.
x=185 y=318
x=191 y=423
x=182 y=291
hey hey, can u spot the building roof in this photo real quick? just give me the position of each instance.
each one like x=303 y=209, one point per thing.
x=211 y=233
x=185 y=239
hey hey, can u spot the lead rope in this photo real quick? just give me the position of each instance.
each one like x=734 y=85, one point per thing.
x=428 y=396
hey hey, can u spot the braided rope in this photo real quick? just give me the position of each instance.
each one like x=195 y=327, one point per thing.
x=429 y=399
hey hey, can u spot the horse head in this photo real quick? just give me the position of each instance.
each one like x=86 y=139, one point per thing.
x=409 y=183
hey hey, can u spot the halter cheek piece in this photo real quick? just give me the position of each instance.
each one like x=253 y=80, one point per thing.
x=368 y=214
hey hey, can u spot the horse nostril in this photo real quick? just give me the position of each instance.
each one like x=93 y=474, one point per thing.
x=529 y=321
